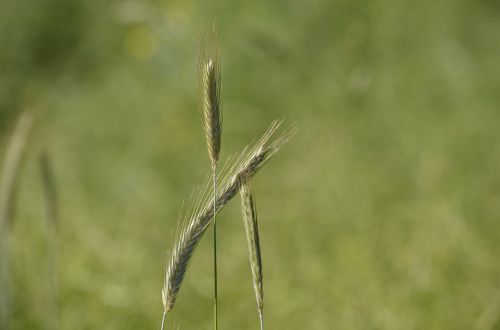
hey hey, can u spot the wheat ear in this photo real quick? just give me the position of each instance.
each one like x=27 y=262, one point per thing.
x=12 y=165
x=245 y=166
x=249 y=212
x=49 y=190
x=211 y=105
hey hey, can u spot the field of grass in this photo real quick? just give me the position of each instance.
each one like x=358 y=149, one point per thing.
x=383 y=211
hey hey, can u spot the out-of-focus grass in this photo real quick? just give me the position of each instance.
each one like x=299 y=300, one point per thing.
x=382 y=213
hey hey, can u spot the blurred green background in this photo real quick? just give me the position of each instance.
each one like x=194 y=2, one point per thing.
x=383 y=212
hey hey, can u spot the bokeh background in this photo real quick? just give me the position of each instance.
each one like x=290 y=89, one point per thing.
x=383 y=212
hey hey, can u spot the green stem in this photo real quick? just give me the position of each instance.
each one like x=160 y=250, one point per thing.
x=215 y=248
x=163 y=319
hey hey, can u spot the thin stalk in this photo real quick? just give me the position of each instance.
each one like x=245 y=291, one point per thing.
x=261 y=318
x=215 y=248
x=163 y=320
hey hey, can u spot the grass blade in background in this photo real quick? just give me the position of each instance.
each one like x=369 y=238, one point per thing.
x=52 y=217
x=8 y=185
